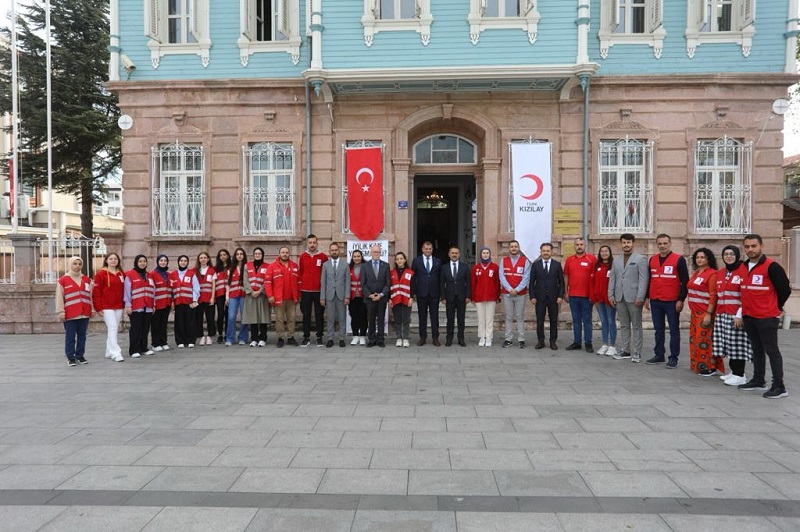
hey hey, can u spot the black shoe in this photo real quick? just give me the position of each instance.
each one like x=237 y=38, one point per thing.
x=462 y=343
x=448 y=342
x=381 y=344
x=589 y=348
x=220 y=340
x=71 y=362
x=292 y=341
x=436 y=343
x=305 y=342
x=341 y=343
x=540 y=345
x=371 y=343
x=280 y=342
x=553 y=346
x=753 y=386
x=507 y=343
x=82 y=360
x=776 y=393
x=655 y=359
x=672 y=363
x=522 y=345
x=573 y=346
x=319 y=342
x=706 y=373
x=328 y=345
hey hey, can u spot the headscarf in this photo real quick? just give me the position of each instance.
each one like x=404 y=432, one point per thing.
x=257 y=263
x=69 y=267
x=736 y=253
x=480 y=256
x=141 y=271
x=162 y=271
x=179 y=262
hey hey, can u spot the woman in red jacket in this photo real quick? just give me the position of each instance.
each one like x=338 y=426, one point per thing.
x=357 y=309
x=107 y=298
x=205 y=305
x=74 y=308
x=221 y=267
x=140 y=303
x=401 y=298
x=163 y=285
x=598 y=296
x=485 y=295
x=702 y=298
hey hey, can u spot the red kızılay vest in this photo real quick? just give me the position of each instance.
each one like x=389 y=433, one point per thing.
x=222 y=281
x=77 y=297
x=699 y=295
x=665 y=285
x=206 y=282
x=759 y=298
x=256 y=278
x=355 y=284
x=143 y=291
x=183 y=289
x=163 y=292
x=235 y=289
x=729 y=291
x=400 y=291
x=514 y=274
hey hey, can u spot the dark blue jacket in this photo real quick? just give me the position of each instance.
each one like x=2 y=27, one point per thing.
x=427 y=283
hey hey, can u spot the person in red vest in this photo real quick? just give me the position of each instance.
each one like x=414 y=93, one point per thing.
x=74 y=308
x=401 y=299
x=282 y=290
x=765 y=289
x=515 y=274
x=310 y=263
x=107 y=299
x=234 y=298
x=357 y=309
x=577 y=272
x=158 y=329
x=140 y=302
x=702 y=298
x=185 y=291
x=485 y=294
x=730 y=340
x=221 y=267
x=668 y=277
x=205 y=305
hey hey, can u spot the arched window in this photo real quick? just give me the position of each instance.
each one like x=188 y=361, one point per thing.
x=444 y=149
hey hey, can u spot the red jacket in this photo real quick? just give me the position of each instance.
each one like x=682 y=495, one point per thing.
x=598 y=283
x=400 y=288
x=107 y=293
x=311 y=271
x=485 y=282
x=281 y=282
x=163 y=290
x=182 y=291
x=143 y=291
x=729 y=291
x=578 y=271
x=235 y=288
x=256 y=277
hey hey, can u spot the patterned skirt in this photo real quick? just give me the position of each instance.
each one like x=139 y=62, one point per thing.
x=730 y=341
x=700 y=352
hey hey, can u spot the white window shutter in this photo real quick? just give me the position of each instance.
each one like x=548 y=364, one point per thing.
x=153 y=25
x=283 y=17
x=702 y=13
x=483 y=7
x=615 y=12
x=655 y=17
x=248 y=19
x=196 y=17
x=527 y=7
x=748 y=13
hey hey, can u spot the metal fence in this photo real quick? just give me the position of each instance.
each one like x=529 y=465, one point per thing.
x=52 y=256
x=8 y=274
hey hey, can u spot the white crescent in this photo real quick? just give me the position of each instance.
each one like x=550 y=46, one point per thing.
x=365 y=171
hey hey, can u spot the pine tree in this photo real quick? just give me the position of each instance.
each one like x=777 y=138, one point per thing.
x=86 y=139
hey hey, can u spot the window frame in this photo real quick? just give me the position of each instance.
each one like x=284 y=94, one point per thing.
x=270 y=197
x=527 y=20
x=287 y=21
x=653 y=35
x=700 y=28
x=373 y=23
x=182 y=197
x=156 y=28
x=645 y=196
x=738 y=194
x=457 y=151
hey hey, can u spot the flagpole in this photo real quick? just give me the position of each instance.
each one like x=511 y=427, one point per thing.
x=14 y=120
x=49 y=138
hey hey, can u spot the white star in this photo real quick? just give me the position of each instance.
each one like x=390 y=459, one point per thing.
x=365 y=188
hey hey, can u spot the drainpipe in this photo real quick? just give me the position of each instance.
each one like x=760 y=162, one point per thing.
x=308 y=158
x=791 y=37
x=113 y=45
x=584 y=79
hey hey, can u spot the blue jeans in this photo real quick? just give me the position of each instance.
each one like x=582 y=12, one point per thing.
x=75 y=338
x=581 y=309
x=608 y=323
x=660 y=310
x=235 y=305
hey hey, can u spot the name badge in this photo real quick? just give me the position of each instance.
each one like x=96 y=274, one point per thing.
x=520 y=269
x=319 y=262
x=491 y=273
x=736 y=279
x=187 y=279
x=584 y=263
x=668 y=269
x=698 y=280
x=209 y=278
x=407 y=276
x=86 y=286
x=608 y=274
x=758 y=279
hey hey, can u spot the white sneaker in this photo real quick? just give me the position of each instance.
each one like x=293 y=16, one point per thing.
x=612 y=351
x=149 y=352
x=135 y=355
x=736 y=381
x=228 y=344
x=726 y=376
x=354 y=341
x=482 y=342
x=190 y=346
x=181 y=346
x=488 y=342
x=165 y=348
x=118 y=358
x=157 y=348
x=398 y=343
x=242 y=342
x=406 y=343
x=209 y=341
x=261 y=343
x=109 y=355
x=636 y=357
x=603 y=350
x=362 y=340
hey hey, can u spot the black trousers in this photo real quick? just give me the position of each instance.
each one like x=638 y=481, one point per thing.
x=456 y=307
x=140 y=328
x=309 y=300
x=222 y=315
x=763 y=334
x=358 y=316
x=551 y=308
x=376 y=319
x=158 y=328
x=205 y=312
x=258 y=332
x=185 y=325
x=425 y=305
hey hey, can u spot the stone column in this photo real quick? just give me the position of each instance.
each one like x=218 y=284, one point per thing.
x=24 y=258
x=489 y=204
x=402 y=218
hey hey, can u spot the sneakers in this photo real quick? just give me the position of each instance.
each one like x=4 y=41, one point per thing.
x=118 y=358
x=589 y=348
x=506 y=343
x=776 y=393
x=292 y=341
x=621 y=356
x=262 y=343
x=253 y=344
x=612 y=351
x=82 y=360
x=228 y=344
x=735 y=380
x=319 y=342
x=603 y=350
x=71 y=362
x=280 y=342
x=165 y=348
x=305 y=342
x=181 y=346
x=482 y=342
x=522 y=345
x=398 y=343
x=706 y=373
x=191 y=346
x=362 y=340
x=242 y=342
x=209 y=341
x=109 y=355
x=201 y=340
x=655 y=360
x=354 y=341
x=220 y=339
x=149 y=352
x=636 y=357
x=573 y=346
x=753 y=386
x=671 y=363
x=488 y=342
x=137 y=355
x=406 y=343
x=157 y=348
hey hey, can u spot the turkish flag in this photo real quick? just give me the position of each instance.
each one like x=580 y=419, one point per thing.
x=365 y=191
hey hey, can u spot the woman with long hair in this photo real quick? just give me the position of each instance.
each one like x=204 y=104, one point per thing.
x=702 y=298
x=234 y=298
x=598 y=296
x=205 y=305
x=221 y=267
x=140 y=302
x=729 y=338
x=401 y=298
x=107 y=293
x=74 y=308
x=185 y=291
x=357 y=309
x=256 y=306
x=158 y=329
x=485 y=280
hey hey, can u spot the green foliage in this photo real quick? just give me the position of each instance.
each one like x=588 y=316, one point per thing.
x=86 y=139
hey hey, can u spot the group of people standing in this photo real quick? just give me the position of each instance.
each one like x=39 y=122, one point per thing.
x=734 y=309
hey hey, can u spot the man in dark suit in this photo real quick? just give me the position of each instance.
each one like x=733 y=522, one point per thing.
x=456 y=293
x=427 y=270
x=375 y=283
x=546 y=290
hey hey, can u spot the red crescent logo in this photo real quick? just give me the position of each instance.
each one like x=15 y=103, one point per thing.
x=365 y=171
x=539 y=186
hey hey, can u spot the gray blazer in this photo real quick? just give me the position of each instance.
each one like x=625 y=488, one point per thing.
x=335 y=282
x=629 y=282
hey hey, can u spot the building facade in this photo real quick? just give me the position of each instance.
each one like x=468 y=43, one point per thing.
x=659 y=116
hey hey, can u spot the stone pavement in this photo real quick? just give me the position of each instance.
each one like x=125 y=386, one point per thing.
x=439 y=439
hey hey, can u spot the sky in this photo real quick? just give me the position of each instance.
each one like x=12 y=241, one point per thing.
x=791 y=126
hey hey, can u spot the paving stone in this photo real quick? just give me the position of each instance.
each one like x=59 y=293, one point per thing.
x=631 y=484
x=101 y=518
x=111 y=478
x=369 y=481
x=194 y=479
x=790 y=460
x=593 y=440
x=414 y=424
x=736 y=461
x=285 y=520
x=353 y=424
x=606 y=424
x=681 y=425
x=541 y=483
x=274 y=423
x=40 y=436
x=580 y=522
x=217 y=519
x=398 y=521
x=221 y=422
x=293 y=438
x=384 y=411
x=410 y=459
x=570 y=460
x=466 y=424
x=447 y=440
x=452 y=483
x=28 y=518
x=720 y=523
x=237 y=438
x=444 y=411
x=332 y=458
x=652 y=460
x=266 y=410
x=467 y=459
x=555 y=424
x=743 y=441
x=682 y=441
x=36 y=477
x=167 y=437
x=514 y=522
x=256 y=457
x=787 y=483
x=36 y=454
x=376 y=440
x=725 y=485
x=267 y=480
x=180 y=456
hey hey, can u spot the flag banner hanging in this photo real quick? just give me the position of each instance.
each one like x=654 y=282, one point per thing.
x=364 y=168
x=533 y=196
x=11 y=197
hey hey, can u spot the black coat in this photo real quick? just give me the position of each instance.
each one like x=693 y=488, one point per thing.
x=543 y=286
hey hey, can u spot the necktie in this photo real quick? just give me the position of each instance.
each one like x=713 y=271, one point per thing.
x=335 y=264
x=547 y=266
x=455 y=270
x=428 y=264
x=375 y=267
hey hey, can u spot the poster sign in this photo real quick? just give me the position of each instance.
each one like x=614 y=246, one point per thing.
x=533 y=196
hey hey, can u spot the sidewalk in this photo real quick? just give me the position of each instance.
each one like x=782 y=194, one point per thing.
x=440 y=439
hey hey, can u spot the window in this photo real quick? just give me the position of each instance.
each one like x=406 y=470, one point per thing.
x=722 y=186
x=268 y=189
x=177 y=27
x=397 y=15
x=444 y=149
x=269 y=26
x=625 y=188
x=720 y=21
x=503 y=14
x=178 y=189
x=631 y=22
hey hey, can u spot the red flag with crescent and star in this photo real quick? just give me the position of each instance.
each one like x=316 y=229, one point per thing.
x=365 y=191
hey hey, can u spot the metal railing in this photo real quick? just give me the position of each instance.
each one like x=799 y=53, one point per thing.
x=8 y=272
x=52 y=256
